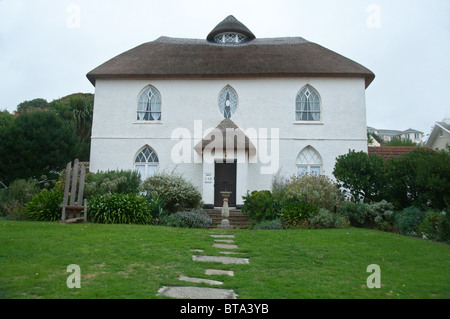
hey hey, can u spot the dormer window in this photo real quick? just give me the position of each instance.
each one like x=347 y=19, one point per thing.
x=230 y=38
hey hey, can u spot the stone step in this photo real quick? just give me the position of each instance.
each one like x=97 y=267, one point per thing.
x=196 y=293
x=236 y=218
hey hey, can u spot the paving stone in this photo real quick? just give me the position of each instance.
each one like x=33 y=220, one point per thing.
x=224 y=241
x=197 y=250
x=221 y=259
x=223 y=236
x=200 y=280
x=225 y=246
x=197 y=293
x=228 y=253
x=210 y=272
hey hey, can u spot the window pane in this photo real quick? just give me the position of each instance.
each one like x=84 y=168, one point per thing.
x=302 y=170
x=315 y=170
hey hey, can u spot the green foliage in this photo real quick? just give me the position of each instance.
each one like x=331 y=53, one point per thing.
x=420 y=178
x=35 y=144
x=259 y=206
x=326 y=220
x=119 y=209
x=33 y=105
x=400 y=142
x=187 y=219
x=274 y=224
x=110 y=182
x=295 y=213
x=375 y=215
x=361 y=174
x=177 y=192
x=45 y=206
x=14 y=198
x=435 y=226
x=156 y=206
x=6 y=119
x=408 y=220
x=320 y=191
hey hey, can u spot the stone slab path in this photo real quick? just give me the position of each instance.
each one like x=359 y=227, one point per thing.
x=183 y=292
x=196 y=293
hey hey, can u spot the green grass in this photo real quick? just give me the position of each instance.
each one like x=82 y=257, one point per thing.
x=132 y=261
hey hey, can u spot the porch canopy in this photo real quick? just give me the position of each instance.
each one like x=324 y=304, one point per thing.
x=226 y=138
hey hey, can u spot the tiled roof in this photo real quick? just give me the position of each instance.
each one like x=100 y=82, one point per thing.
x=388 y=152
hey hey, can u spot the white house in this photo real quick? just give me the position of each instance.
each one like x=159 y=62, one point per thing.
x=439 y=138
x=228 y=111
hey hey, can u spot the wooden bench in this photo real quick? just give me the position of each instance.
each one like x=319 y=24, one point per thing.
x=72 y=210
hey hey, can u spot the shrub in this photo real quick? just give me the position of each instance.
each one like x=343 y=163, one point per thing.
x=294 y=213
x=119 y=209
x=14 y=198
x=361 y=174
x=110 y=182
x=326 y=219
x=375 y=215
x=258 y=206
x=45 y=206
x=187 y=219
x=156 y=205
x=269 y=224
x=408 y=220
x=319 y=191
x=178 y=193
x=435 y=226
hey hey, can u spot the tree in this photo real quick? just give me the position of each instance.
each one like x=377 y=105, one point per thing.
x=362 y=175
x=6 y=118
x=400 y=142
x=420 y=178
x=36 y=144
x=33 y=105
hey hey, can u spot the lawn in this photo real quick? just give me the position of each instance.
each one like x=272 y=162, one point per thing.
x=134 y=261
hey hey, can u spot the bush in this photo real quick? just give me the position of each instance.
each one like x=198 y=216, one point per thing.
x=178 y=193
x=258 y=206
x=45 y=206
x=435 y=226
x=110 y=182
x=375 y=215
x=408 y=220
x=156 y=206
x=294 y=213
x=320 y=191
x=325 y=220
x=187 y=219
x=119 y=209
x=14 y=198
x=269 y=224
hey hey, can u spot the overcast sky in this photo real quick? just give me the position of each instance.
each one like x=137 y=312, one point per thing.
x=48 y=46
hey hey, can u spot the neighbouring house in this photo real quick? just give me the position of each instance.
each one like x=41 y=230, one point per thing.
x=388 y=135
x=228 y=111
x=388 y=152
x=439 y=138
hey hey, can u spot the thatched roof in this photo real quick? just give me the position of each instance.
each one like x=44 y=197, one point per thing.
x=193 y=58
x=230 y=24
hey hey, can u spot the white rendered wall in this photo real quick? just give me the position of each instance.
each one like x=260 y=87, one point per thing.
x=263 y=104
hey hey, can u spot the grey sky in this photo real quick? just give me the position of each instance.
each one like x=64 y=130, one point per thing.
x=48 y=46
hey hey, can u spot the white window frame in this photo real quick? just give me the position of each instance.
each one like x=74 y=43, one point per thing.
x=309 y=161
x=150 y=165
x=306 y=92
x=144 y=115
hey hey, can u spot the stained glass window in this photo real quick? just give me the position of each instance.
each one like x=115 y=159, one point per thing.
x=228 y=102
